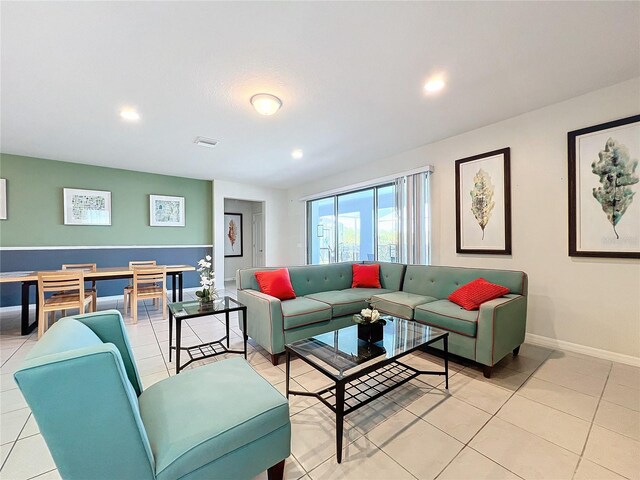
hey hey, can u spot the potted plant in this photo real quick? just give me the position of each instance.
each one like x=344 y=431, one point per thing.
x=208 y=293
x=370 y=324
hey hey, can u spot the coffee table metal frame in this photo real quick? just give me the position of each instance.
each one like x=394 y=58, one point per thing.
x=382 y=377
x=209 y=349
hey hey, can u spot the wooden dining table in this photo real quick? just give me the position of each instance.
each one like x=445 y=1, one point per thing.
x=29 y=279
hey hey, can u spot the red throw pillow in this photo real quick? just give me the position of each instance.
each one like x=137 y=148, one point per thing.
x=366 y=276
x=276 y=283
x=471 y=295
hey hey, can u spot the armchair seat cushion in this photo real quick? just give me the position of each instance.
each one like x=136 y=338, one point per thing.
x=400 y=304
x=304 y=311
x=228 y=406
x=342 y=301
x=448 y=316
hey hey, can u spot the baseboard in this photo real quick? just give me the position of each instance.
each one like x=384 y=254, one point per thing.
x=230 y=279
x=17 y=308
x=576 y=348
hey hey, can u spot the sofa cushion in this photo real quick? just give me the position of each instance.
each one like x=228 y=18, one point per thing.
x=365 y=293
x=448 y=316
x=276 y=283
x=229 y=405
x=366 y=276
x=304 y=311
x=391 y=275
x=341 y=301
x=400 y=304
x=476 y=292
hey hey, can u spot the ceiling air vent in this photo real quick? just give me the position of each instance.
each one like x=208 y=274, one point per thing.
x=206 y=142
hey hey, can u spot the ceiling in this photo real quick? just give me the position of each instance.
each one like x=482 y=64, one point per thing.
x=350 y=75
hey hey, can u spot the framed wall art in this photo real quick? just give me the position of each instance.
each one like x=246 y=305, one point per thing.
x=483 y=203
x=86 y=207
x=165 y=211
x=604 y=209
x=3 y=198
x=232 y=234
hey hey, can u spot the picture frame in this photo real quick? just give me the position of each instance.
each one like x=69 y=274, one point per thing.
x=3 y=198
x=233 y=240
x=86 y=207
x=604 y=215
x=483 y=203
x=166 y=211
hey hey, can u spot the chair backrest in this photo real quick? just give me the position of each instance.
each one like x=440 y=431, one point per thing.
x=70 y=281
x=141 y=263
x=149 y=276
x=78 y=388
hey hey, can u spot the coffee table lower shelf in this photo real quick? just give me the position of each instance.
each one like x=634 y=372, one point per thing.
x=353 y=392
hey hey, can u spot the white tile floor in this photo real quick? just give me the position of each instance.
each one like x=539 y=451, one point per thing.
x=544 y=415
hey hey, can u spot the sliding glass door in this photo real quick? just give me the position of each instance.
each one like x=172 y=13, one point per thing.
x=321 y=218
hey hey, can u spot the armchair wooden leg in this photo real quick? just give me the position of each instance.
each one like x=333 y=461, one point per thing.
x=276 y=472
x=274 y=359
x=516 y=351
x=486 y=371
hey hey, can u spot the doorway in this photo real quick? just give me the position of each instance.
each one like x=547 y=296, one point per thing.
x=250 y=235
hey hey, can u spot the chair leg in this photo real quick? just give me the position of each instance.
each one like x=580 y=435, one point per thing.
x=94 y=301
x=164 y=307
x=134 y=307
x=42 y=318
x=276 y=472
x=126 y=301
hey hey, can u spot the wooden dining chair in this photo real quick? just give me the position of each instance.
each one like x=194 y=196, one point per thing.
x=70 y=282
x=85 y=267
x=149 y=283
x=129 y=288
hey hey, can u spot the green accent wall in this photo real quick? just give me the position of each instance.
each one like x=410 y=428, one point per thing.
x=35 y=205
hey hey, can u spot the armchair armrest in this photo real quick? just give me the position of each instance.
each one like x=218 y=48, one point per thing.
x=109 y=327
x=264 y=319
x=501 y=328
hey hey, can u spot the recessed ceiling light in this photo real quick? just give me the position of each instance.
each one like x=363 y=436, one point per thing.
x=130 y=115
x=265 y=103
x=206 y=142
x=434 y=84
x=297 y=154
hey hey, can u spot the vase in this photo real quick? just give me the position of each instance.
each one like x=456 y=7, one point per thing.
x=370 y=332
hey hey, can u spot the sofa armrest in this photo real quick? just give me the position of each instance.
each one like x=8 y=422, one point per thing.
x=109 y=327
x=501 y=328
x=264 y=319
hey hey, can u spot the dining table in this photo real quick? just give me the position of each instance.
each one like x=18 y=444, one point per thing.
x=30 y=278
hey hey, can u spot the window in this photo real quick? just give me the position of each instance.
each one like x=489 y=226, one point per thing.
x=354 y=226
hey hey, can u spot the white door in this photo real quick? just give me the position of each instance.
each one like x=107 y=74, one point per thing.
x=258 y=240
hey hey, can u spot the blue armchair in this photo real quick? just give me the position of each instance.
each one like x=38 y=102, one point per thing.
x=221 y=420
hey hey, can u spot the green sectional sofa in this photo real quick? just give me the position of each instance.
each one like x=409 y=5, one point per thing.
x=325 y=301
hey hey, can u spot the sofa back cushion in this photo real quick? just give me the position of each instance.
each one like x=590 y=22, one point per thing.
x=440 y=282
x=391 y=274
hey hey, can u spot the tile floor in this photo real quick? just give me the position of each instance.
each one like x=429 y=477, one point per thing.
x=544 y=415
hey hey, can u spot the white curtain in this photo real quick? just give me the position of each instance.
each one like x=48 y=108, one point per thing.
x=412 y=204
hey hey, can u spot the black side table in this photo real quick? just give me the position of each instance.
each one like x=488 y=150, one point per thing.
x=184 y=310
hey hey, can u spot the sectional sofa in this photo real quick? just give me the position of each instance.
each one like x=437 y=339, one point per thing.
x=325 y=302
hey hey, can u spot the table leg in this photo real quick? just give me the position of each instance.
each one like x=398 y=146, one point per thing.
x=287 y=373
x=244 y=330
x=180 y=285
x=174 y=297
x=25 y=328
x=339 y=419
x=446 y=361
x=178 y=343
x=170 y=333
x=226 y=322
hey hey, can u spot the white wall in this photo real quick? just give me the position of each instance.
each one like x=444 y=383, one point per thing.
x=231 y=264
x=275 y=222
x=589 y=302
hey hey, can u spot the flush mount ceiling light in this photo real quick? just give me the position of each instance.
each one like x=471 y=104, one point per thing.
x=129 y=115
x=297 y=153
x=205 y=142
x=434 y=84
x=265 y=103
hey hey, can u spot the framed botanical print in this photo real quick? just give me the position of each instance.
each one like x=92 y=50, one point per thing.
x=604 y=211
x=232 y=234
x=483 y=203
x=86 y=207
x=165 y=211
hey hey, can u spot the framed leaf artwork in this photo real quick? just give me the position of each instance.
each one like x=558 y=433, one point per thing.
x=232 y=234
x=604 y=181
x=483 y=203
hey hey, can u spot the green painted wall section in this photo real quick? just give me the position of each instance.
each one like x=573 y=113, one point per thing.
x=35 y=205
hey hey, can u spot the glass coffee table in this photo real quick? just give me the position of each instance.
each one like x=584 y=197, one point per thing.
x=185 y=310
x=362 y=371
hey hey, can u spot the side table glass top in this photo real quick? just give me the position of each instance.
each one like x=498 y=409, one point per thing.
x=194 y=308
x=341 y=351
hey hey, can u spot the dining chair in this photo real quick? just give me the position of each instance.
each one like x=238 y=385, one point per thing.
x=85 y=267
x=149 y=283
x=129 y=288
x=70 y=282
